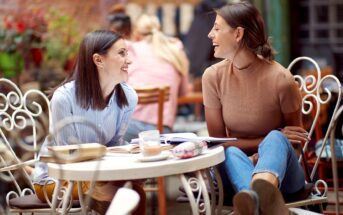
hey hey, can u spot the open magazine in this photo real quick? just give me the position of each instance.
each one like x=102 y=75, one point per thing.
x=133 y=148
x=176 y=138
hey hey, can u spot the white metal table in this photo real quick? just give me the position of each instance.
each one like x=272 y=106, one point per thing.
x=127 y=167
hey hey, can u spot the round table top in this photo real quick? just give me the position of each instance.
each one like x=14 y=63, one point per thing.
x=114 y=166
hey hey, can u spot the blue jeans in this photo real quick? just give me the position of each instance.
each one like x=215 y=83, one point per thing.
x=136 y=126
x=276 y=156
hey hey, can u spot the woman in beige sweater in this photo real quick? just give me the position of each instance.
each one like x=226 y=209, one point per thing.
x=253 y=98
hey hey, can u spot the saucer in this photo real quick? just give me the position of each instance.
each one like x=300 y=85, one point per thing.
x=163 y=156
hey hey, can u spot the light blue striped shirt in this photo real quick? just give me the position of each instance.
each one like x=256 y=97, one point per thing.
x=112 y=122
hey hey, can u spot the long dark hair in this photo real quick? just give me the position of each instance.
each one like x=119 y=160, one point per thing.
x=245 y=15
x=87 y=86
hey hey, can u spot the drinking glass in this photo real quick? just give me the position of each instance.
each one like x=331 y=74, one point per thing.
x=149 y=142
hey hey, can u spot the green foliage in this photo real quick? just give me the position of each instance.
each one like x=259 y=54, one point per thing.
x=63 y=38
x=11 y=63
x=20 y=32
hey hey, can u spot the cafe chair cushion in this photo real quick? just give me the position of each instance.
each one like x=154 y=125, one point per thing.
x=32 y=202
x=27 y=202
x=302 y=194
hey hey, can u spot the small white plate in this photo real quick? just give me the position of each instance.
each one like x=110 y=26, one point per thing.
x=163 y=156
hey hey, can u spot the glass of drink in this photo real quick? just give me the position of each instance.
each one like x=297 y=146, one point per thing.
x=149 y=142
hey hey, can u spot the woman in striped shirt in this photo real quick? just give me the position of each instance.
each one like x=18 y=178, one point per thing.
x=97 y=91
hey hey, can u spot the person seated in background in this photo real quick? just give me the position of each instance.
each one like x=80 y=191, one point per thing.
x=97 y=91
x=157 y=60
x=119 y=21
x=236 y=105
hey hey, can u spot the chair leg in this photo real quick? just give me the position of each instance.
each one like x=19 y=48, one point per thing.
x=162 y=206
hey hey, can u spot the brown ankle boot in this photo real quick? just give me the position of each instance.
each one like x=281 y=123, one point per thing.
x=245 y=203
x=270 y=198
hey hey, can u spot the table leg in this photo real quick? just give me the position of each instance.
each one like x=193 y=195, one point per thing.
x=220 y=190
x=216 y=190
x=66 y=197
x=55 y=196
x=80 y=193
x=204 y=192
x=212 y=191
x=197 y=184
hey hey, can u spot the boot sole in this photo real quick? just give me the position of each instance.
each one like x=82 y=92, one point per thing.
x=270 y=198
x=244 y=204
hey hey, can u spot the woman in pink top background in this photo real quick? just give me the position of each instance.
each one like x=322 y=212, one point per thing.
x=157 y=60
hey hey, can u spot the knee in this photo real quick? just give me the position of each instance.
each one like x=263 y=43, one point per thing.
x=39 y=190
x=275 y=137
x=275 y=134
x=232 y=153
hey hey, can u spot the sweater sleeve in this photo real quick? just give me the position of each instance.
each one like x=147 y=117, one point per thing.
x=289 y=93
x=210 y=89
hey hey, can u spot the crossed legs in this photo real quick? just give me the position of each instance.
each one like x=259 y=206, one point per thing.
x=277 y=164
x=257 y=186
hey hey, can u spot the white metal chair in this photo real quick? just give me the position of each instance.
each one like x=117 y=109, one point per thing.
x=124 y=202
x=313 y=92
x=19 y=114
x=334 y=159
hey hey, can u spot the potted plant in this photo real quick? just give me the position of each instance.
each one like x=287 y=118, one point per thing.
x=61 y=43
x=21 y=41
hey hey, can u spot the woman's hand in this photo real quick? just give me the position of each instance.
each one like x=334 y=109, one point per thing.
x=295 y=134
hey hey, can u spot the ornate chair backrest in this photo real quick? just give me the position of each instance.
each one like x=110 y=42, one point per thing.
x=25 y=112
x=21 y=119
x=154 y=95
x=315 y=95
x=19 y=111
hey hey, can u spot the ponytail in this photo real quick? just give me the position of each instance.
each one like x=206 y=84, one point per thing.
x=245 y=15
x=266 y=50
x=163 y=46
x=166 y=49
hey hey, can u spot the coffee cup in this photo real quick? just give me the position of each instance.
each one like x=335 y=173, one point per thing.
x=149 y=143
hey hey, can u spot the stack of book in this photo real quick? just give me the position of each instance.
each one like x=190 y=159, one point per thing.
x=74 y=153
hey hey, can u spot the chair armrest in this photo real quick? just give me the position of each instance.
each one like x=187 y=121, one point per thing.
x=19 y=165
